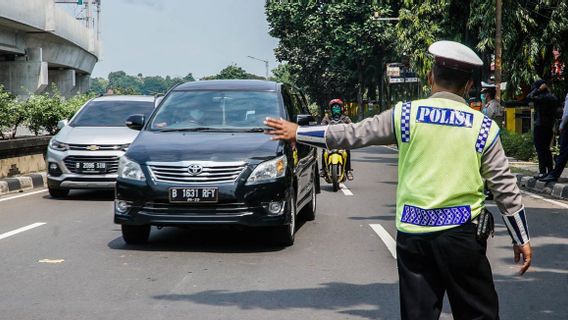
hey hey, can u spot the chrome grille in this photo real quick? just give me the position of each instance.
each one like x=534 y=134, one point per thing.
x=111 y=167
x=97 y=147
x=212 y=172
x=217 y=209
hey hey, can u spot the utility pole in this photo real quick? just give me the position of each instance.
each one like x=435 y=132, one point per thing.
x=498 y=48
x=265 y=64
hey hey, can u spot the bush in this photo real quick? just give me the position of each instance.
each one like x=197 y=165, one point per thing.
x=45 y=112
x=518 y=146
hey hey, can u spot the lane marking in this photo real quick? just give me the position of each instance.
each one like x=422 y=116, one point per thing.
x=20 y=230
x=345 y=190
x=560 y=204
x=23 y=195
x=386 y=237
x=391 y=148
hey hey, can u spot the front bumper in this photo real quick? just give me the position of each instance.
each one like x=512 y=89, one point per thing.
x=65 y=177
x=239 y=204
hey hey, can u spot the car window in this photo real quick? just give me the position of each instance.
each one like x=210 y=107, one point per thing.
x=216 y=109
x=110 y=113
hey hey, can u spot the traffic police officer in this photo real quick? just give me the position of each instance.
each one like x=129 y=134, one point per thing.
x=446 y=150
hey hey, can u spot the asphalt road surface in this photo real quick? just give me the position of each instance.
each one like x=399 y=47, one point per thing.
x=65 y=259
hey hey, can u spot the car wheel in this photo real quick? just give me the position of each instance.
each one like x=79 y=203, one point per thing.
x=284 y=235
x=309 y=211
x=58 y=193
x=135 y=234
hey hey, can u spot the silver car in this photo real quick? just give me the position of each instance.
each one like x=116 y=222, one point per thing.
x=85 y=152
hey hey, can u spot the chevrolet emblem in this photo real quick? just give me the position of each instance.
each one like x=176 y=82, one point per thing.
x=93 y=147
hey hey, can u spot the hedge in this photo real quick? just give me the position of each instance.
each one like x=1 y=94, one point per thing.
x=518 y=146
x=40 y=113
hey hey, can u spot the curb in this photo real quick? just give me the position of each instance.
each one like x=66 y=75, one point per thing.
x=553 y=189
x=23 y=183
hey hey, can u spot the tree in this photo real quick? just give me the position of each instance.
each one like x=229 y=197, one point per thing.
x=531 y=29
x=335 y=48
x=283 y=74
x=122 y=83
x=233 y=72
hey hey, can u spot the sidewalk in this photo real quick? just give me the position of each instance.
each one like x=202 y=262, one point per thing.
x=23 y=183
x=525 y=172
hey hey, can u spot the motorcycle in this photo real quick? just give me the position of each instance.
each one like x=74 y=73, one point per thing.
x=334 y=167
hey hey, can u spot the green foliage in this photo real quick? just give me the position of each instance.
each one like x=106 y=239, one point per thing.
x=45 y=111
x=12 y=114
x=531 y=29
x=233 y=72
x=518 y=146
x=122 y=83
x=333 y=48
x=283 y=74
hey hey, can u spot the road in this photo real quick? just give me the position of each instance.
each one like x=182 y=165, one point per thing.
x=76 y=266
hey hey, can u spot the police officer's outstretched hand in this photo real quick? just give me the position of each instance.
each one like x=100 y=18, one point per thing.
x=526 y=252
x=282 y=129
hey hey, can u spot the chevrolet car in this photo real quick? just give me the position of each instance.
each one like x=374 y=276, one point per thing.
x=202 y=158
x=84 y=153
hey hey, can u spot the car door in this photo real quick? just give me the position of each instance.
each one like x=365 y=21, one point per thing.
x=306 y=154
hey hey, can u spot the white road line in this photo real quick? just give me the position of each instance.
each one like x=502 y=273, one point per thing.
x=345 y=190
x=23 y=195
x=386 y=237
x=20 y=230
x=391 y=148
x=560 y=204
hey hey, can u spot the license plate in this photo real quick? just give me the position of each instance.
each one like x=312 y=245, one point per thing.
x=194 y=195
x=91 y=167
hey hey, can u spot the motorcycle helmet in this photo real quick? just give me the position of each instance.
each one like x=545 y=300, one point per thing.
x=336 y=106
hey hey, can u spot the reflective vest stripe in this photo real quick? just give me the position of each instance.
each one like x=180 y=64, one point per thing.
x=405 y=122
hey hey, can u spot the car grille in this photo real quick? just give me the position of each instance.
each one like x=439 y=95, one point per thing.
x=217 y=209
x=112 y=163
x=212 y=172
x=97 y=147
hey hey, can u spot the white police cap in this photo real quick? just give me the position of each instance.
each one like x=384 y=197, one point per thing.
x=454 y=55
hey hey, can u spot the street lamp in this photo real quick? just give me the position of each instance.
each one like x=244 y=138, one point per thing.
x=265 y=64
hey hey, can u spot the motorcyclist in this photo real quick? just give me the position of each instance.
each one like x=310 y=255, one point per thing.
x=337 y=116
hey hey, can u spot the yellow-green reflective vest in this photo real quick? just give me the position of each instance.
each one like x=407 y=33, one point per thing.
x=440 y=144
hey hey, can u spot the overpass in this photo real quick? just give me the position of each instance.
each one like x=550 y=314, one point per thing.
x=42 y=44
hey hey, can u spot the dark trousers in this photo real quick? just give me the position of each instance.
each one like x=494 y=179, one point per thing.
x=563 y=156
x=542 y=139
x=451 y=261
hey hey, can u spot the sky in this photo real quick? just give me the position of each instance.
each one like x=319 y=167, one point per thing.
x=176 y=37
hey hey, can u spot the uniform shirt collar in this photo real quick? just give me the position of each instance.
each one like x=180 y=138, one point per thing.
x=449 y=96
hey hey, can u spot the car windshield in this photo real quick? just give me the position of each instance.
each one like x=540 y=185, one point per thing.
x=110 y=113
x=216 y=110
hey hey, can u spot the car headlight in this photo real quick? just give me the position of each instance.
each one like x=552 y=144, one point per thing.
x=128 y=169
x=269 y=170
x=58 y=146
x=124 y=147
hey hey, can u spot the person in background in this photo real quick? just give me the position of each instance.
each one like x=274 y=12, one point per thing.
x=545 y=104
x=337 y=116
x=562 y=158
x=491 y=106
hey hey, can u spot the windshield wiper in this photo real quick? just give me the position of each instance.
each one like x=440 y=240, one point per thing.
x=187 y=129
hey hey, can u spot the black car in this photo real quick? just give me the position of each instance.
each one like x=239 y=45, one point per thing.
x=202 y=158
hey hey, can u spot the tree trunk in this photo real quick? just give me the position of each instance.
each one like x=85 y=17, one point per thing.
x=361 y=113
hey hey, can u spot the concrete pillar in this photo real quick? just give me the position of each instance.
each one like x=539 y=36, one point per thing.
x=83 y=83
x=25 y=76
x=64 y=80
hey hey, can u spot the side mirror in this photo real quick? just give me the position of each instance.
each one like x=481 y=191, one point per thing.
x=306 y=120
x=136 y=122
x=62 y=123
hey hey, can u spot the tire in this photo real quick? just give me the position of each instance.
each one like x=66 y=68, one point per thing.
x=335 y=176
x=135 y=234
x=309 y=211
x=284 y=235
x=58 y=193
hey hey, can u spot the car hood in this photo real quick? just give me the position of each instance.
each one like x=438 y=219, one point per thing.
x=250 y=147
x=96 y=135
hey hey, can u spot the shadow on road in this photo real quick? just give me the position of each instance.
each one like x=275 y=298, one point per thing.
x=217 y=239
x=86 y=195
x=369 y=301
